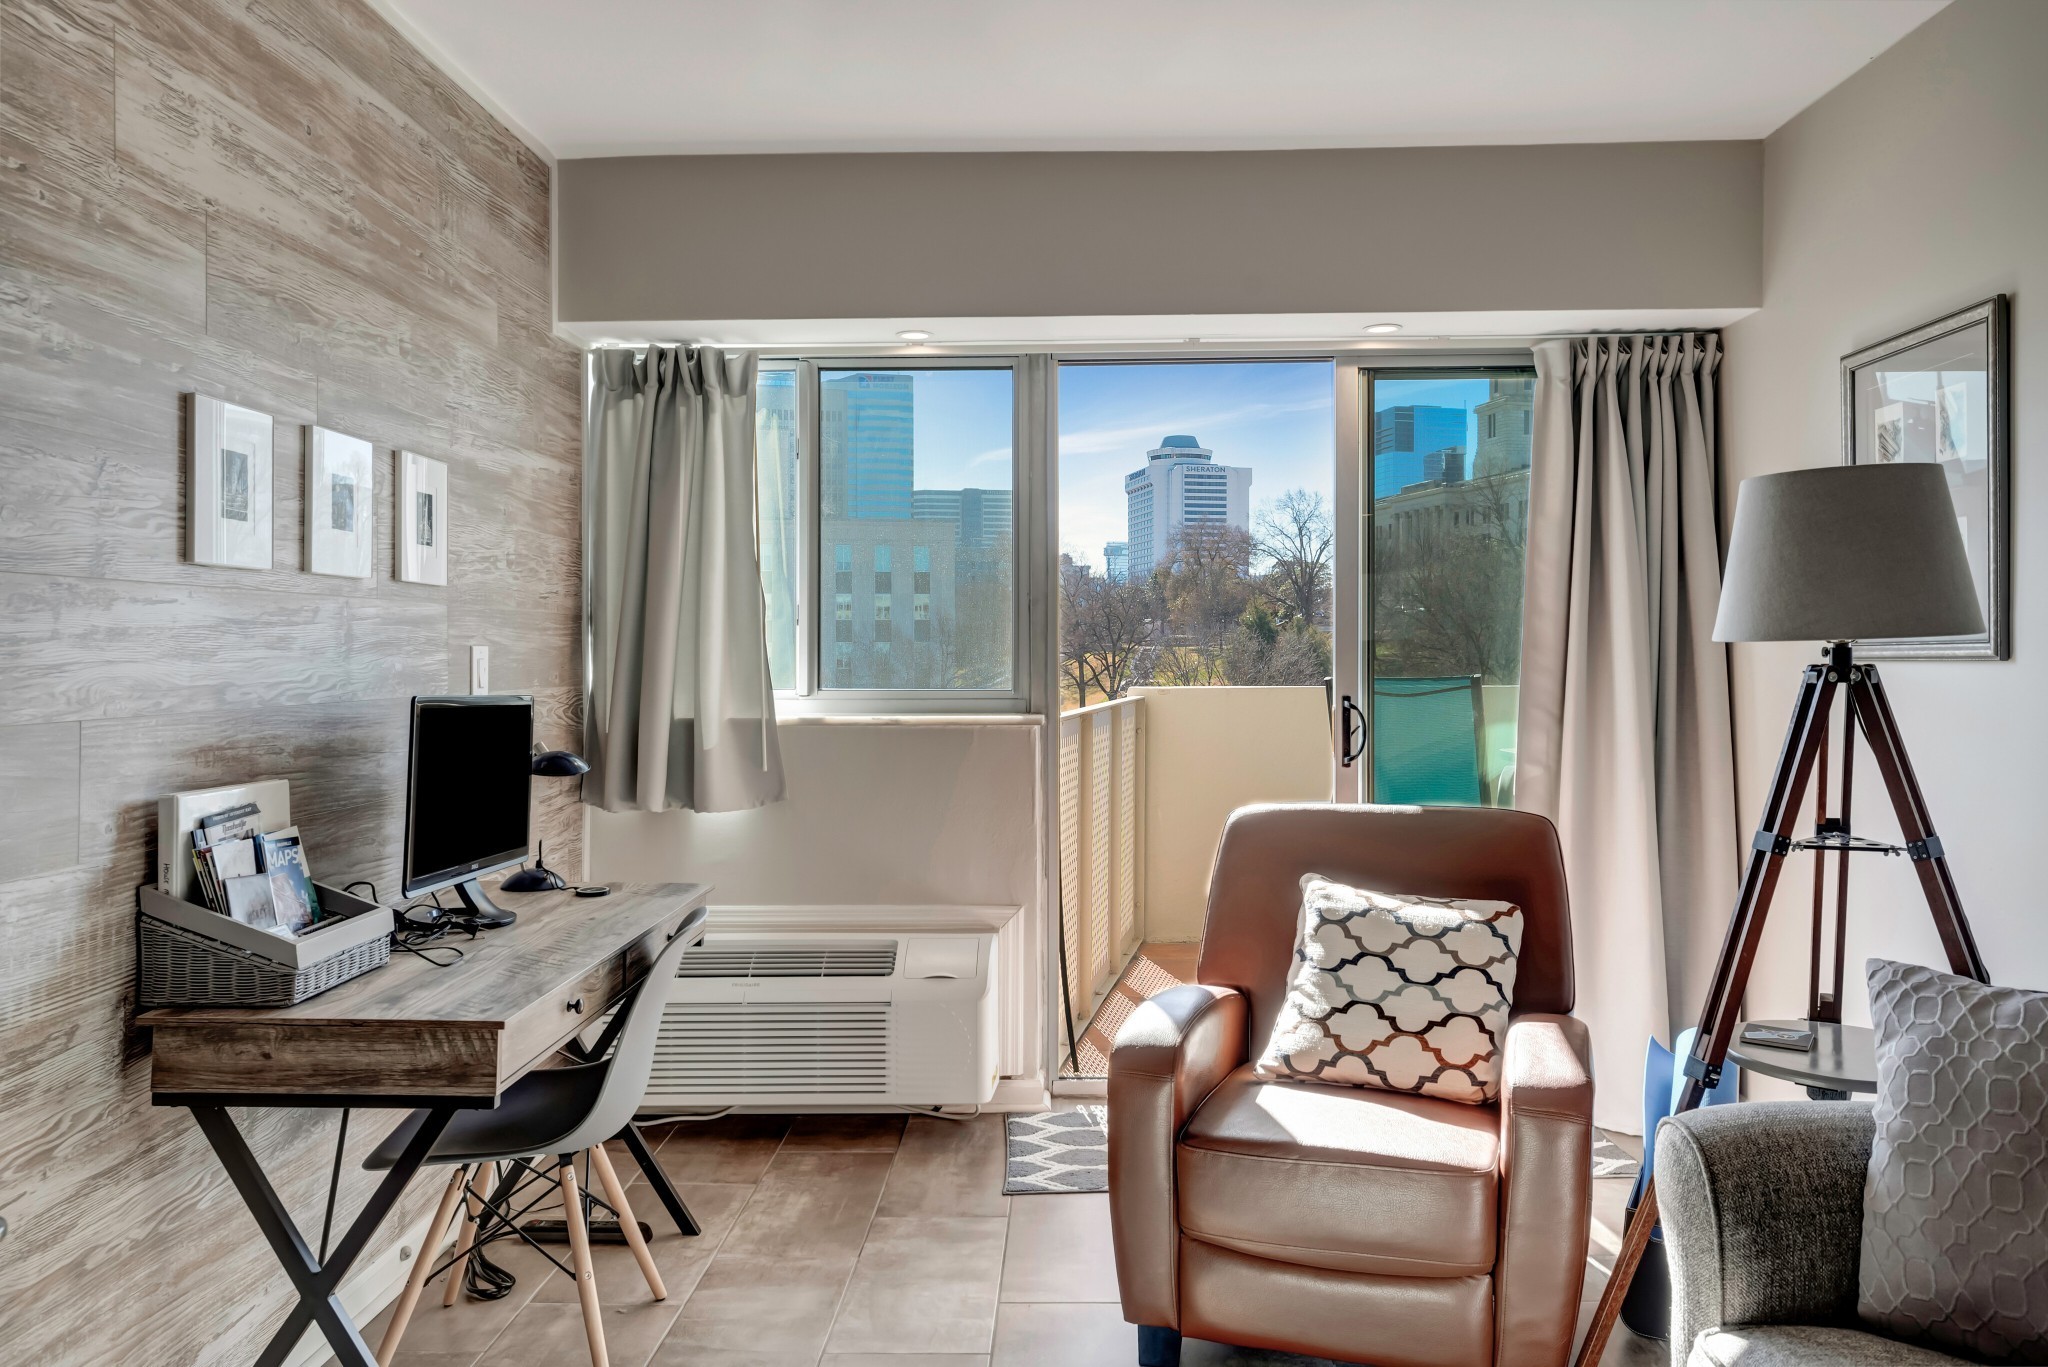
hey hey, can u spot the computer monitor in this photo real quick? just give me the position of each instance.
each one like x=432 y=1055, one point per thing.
x=467 y=796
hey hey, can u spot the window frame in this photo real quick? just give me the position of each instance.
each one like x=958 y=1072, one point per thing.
x=813 y=694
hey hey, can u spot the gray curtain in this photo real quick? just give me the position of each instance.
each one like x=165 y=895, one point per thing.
x=680 y=711
x=1624 y=736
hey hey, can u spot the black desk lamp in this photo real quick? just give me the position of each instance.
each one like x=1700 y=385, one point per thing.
x=541 y=878
x=1835 y=554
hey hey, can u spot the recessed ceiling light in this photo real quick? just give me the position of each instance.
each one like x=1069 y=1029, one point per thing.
x=1383 y=327
x=915 y=335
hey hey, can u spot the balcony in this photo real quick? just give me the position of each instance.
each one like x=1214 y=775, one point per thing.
x=1146 y=783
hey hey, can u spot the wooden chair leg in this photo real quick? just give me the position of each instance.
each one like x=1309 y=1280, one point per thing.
x=472 y=1214
x=579 y=1258
x=615 y=1192
x=422 y=1263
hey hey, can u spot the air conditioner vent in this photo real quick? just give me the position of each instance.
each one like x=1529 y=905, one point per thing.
x=788 y=959
x=772 y=1048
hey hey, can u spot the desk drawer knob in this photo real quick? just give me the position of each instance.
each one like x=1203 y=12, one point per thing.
x=576 y=1005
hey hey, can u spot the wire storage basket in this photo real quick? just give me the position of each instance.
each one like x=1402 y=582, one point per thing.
x=187 y=955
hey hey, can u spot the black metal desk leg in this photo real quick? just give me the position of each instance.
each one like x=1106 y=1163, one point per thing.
x=656 y=1178
x=317 y=1283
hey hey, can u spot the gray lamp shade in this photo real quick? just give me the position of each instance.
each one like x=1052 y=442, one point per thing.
x=1847 y=553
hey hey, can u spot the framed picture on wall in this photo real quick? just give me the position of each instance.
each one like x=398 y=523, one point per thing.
x=341 y=533
x=228 y=504
x=422 y=519
x=1938 y=394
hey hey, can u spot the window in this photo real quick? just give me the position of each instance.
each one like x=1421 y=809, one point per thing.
x=915 y=471
x=1445 y=588
x=1197 y=534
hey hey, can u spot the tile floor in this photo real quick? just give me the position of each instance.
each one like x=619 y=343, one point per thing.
x=854 y=1241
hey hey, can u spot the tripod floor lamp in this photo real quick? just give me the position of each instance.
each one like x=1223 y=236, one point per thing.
x=1836 y=555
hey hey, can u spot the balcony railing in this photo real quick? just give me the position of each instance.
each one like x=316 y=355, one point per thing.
x=1102 y=860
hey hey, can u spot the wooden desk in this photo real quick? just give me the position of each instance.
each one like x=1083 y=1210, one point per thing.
x=411 y=1034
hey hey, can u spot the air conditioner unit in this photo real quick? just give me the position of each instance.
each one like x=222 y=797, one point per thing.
x=806 y=1020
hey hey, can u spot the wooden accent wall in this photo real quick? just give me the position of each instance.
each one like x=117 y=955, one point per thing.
x=281 y=203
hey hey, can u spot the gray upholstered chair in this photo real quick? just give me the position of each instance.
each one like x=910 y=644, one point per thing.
x=1762 y=1208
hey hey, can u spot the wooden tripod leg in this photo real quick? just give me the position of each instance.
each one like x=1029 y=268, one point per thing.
x=579 y=1258
x=1768 y=848
x=422 y=1263
x=615 y=1193
x=472 y=1212
x=1633 y=1242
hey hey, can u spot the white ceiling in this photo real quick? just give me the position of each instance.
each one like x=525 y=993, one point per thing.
x=610 y=77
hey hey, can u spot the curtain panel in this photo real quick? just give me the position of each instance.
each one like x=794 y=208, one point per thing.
x=679 y=710
x=1625 y=738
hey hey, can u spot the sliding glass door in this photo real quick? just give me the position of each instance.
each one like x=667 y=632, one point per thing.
x=1441 y=498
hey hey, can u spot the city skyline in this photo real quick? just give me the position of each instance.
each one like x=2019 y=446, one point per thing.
x=1275 y=417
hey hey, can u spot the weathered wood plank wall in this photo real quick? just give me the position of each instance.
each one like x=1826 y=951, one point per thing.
x=281 y=203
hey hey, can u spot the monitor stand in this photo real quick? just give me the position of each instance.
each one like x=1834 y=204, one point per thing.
x=487 y=914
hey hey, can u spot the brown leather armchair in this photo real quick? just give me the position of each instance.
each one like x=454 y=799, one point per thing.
x=1353 y=1223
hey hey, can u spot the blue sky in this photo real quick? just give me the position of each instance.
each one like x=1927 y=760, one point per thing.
x=1275 y=416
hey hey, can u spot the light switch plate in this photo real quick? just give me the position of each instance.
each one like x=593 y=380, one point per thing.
x=479 y=669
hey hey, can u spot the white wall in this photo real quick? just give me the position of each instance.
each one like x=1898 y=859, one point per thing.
x=1209 y=751
x=1916 y=187
x=927 y=811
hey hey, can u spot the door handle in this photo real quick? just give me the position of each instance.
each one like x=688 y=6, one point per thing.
x=1351 y=742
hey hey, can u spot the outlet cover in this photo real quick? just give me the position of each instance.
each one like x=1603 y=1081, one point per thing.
x=479 y=669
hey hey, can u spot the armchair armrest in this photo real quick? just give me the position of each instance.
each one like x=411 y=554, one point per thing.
x=1762 y=1209
x=1170 y=1054
x=1546 y=1188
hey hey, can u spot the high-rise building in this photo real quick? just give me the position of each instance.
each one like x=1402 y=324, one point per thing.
x=1180 y=485
x=890 y=604
x=1505 y=424
x=981 y=517
x=1404 y=437
x=867 y=422
x=1116 y=561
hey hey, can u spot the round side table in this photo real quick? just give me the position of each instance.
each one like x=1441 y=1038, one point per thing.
x=1843 y=1059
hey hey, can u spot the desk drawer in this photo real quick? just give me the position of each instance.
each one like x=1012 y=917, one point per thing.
x=548 y=1024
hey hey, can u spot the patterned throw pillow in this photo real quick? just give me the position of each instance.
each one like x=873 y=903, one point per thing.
x=1955 y=1208
x=1405 y=993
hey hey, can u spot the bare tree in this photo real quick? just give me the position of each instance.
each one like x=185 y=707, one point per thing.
x=1450 y=587
x=1295 y=536
x=1105 y=626
x=1205 y=581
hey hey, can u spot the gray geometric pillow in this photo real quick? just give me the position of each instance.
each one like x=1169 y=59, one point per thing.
x=1405 y=993
x=1955 y=1209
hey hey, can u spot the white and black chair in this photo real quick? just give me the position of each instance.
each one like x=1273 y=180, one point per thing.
x=544 y=1122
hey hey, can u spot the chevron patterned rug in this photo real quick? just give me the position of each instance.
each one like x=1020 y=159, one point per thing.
x=1057 y=1151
